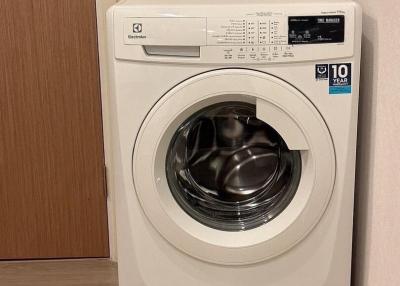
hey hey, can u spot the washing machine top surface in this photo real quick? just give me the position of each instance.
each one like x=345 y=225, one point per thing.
x=222 y=2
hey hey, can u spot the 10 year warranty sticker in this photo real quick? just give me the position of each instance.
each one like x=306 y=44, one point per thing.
x=339 y=76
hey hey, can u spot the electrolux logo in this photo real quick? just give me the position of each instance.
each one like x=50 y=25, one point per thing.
x=136 y=37
x=137 y=27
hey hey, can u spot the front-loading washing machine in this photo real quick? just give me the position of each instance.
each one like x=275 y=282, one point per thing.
x=234 y=129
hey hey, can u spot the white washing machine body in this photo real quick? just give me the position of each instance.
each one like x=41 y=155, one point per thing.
x=234 y=130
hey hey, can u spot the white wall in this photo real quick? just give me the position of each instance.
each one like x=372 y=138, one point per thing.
x=377 y=220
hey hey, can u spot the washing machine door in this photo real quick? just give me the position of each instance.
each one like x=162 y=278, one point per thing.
x=234 y=166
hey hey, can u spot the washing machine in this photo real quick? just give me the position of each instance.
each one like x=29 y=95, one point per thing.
x=234 y=128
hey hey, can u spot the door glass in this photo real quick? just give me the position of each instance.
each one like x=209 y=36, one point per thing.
x=229 y=170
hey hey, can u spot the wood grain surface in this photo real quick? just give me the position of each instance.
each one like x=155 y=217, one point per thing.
x=94 y=272
x=52 y=199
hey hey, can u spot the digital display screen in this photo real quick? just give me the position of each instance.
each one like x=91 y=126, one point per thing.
x=316 y=29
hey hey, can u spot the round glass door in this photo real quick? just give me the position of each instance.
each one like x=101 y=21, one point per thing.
x=233 y=166
x=229 y=170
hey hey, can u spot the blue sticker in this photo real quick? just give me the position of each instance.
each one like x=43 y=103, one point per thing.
x=339 y=89
x=340 y=79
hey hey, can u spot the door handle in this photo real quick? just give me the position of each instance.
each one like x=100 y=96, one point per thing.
x=172 y=51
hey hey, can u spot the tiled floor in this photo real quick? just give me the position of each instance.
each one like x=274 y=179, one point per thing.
x=91 y=272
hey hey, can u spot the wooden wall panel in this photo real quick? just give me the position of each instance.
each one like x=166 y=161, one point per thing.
x=52 y=199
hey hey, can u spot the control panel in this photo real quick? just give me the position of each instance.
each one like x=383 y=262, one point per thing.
x=247 y=31
x=256 y=37
x=273 y=38
x=248 y=39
